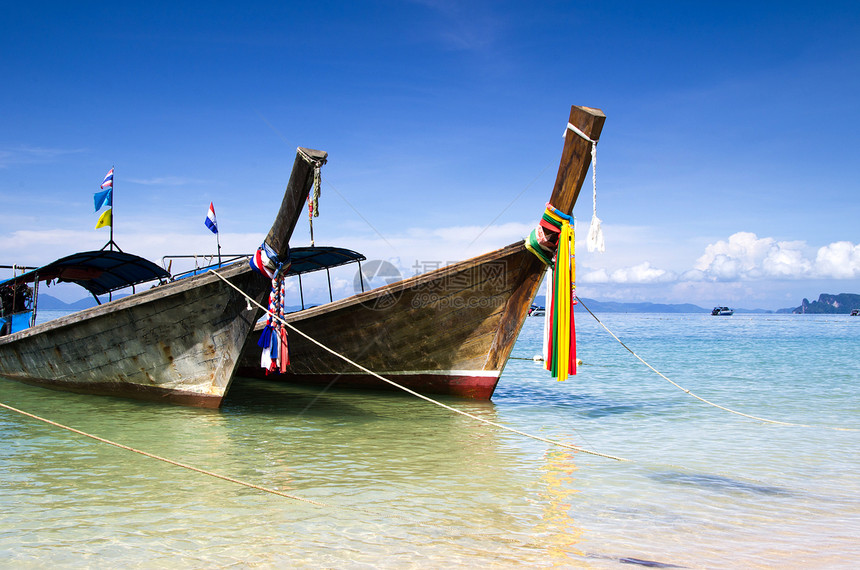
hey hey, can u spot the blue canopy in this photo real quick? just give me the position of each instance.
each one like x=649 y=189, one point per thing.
x=307 y=259
x=98 y=272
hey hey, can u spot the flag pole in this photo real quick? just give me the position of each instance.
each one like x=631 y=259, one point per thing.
x=112 y=206
x=218 y=241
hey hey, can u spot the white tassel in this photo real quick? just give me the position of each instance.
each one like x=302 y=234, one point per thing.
x=594 y=242
x=266 y=357
x=595 y=236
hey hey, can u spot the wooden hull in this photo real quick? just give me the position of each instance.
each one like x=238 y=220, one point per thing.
x=449 y=331
x=176 y=343
x=179 y=342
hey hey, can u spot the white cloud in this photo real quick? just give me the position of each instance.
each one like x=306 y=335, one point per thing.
x=745 y=256
x=31 y=155
x=839 y=260
x=165 y=181
x=641 y=273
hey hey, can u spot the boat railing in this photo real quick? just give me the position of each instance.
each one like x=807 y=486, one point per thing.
x=304 y=260
x=202 y=263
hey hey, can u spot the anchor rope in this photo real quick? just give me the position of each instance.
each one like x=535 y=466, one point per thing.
x=166 y=460
x=688 y=392
x=412 y=392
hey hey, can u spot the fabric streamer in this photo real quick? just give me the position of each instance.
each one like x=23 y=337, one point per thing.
x=553 y=243
x=275 y=356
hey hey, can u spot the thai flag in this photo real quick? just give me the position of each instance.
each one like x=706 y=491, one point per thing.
x=108 y=183
x=210 y=219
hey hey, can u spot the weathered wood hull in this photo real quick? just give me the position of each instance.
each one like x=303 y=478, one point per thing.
x=176 y=343
x=449 y=331
x=179 y=342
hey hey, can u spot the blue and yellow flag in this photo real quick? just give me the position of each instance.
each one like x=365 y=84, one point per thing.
x=103 y=198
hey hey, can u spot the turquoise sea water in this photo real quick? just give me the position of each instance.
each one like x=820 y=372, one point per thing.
x=407 y=484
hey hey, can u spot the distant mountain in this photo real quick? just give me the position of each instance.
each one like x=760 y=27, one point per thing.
x=49 y=303
x=618 y=307
x=842 y=304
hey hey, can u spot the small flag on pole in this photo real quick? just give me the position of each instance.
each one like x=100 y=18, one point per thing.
x=103 y=198
x=108 y=182
x=106 y=219
x=210 y=221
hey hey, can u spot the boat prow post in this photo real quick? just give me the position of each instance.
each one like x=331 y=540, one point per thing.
x=305 y=171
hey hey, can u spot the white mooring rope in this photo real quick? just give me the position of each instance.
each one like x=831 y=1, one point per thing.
x=664 y=377
x=164 y=459
x=414 y=393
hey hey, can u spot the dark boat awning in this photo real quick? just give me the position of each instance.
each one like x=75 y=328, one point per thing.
x=308 y=259
x=98 y=272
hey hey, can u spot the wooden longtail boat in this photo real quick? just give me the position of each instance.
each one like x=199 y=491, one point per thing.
x=177 y=342
x=448 y=331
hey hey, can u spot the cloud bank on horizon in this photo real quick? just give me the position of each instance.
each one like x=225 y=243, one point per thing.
x=732 y=266
x=746 y=257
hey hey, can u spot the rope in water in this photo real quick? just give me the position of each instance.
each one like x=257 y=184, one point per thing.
x=664 y=377
x=164 y=459
x=414 y=393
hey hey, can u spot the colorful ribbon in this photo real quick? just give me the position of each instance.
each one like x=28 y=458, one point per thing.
x=553 y=242
x=275 y=356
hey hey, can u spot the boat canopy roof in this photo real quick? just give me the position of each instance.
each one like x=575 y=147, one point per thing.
x=308 y=259
x=98 y=272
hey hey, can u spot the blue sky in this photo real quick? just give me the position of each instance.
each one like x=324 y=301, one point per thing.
x=727 y=170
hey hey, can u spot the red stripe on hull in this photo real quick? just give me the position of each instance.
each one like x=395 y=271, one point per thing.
x=463 y=386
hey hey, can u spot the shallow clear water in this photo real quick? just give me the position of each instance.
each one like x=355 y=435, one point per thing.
x=407 y=484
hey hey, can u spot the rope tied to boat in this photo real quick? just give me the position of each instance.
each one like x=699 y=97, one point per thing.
x=413 y=392
x=314 y=197
x=164 y=459
x=689 y=393
x=594 y=242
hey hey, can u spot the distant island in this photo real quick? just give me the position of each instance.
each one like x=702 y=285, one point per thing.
x=841 y=304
